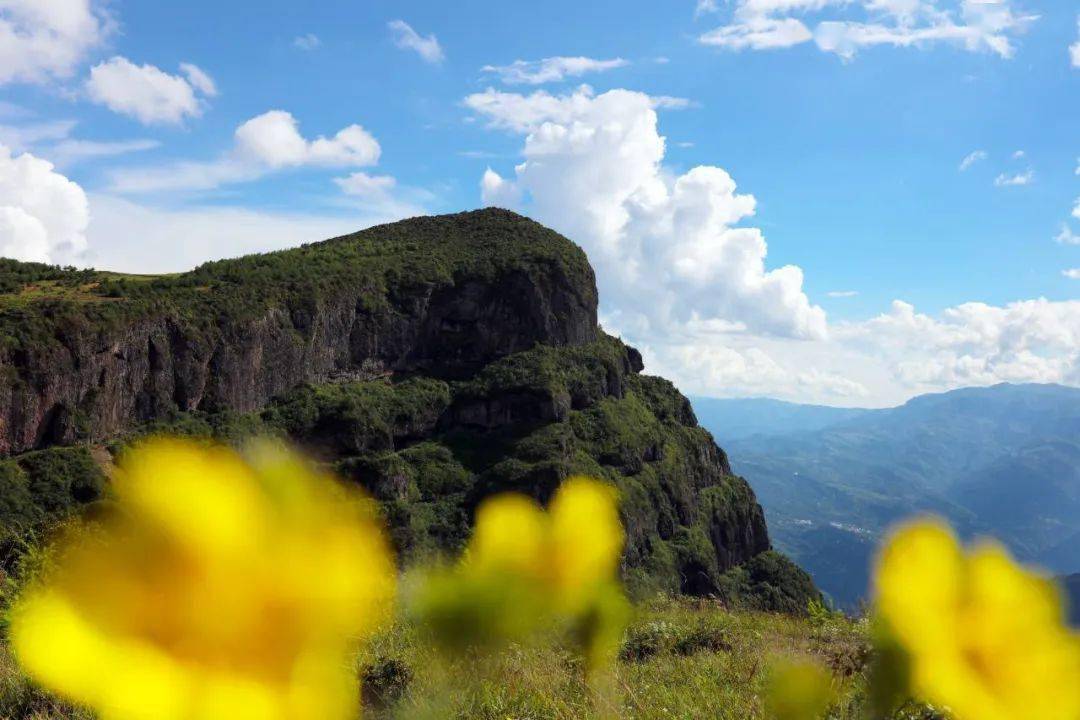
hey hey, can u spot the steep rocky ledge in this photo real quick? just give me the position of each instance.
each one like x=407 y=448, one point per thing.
x=433 y=361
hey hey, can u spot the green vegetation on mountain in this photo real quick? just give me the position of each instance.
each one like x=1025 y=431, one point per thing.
x=434 y=362
x=37 y=301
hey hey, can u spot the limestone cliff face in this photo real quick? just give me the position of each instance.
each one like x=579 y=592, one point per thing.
x=434 y=361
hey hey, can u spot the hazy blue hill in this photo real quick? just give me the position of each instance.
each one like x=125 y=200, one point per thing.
x=743 y=417
x=1001 y=461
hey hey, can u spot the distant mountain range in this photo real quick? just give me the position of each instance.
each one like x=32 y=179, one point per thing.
x=1002 y=461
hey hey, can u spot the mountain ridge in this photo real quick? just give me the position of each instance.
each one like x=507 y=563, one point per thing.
x=1000 y=461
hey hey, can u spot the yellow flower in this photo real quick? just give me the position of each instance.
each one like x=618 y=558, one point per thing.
x=219 y=588
x=985 y=638
x=798 y=690
x=573 y=549
x=523 y=567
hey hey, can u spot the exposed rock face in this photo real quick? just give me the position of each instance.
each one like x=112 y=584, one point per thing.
x=92 y=381
x=434 y=361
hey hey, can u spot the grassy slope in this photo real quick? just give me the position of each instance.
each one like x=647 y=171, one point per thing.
x=680 y=659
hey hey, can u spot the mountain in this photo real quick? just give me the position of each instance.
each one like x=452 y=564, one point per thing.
x=1002 y=461
x=739 y=418
x=433 y=361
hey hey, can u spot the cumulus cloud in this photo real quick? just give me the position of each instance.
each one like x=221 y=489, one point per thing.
x=43 y=215
x=1015 y=180
x=524 y=113
x=428 y=48
x=842 y=293
x=975 y=343
x=844 y=28
x=40 y=41
x=884 y=360
x=972 y=158
x=552 y=69
x=1072 y=273
x=684 y=277
x=147 y=93
x=669 y=249
x=264 y=144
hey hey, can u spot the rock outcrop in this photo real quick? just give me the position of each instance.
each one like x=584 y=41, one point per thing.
x=434 y=361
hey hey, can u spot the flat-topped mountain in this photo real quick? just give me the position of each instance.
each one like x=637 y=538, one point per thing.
x=434 y=361
x=88 y=354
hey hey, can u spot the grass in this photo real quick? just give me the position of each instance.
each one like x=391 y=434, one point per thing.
x=680 y=659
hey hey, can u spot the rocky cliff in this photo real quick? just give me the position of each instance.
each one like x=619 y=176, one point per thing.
x=439 y=295
x=434 y=361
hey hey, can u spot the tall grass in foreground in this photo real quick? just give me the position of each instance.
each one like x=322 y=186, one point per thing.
x=250 y=587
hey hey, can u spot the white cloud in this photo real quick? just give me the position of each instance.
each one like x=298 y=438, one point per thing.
x=974 y=25
x=274 y=138
x=525 y=113
x=131 y=237
x=1019 y=155
x=41 y=40
x=704 y=7
x=498 y=192
x=668 y=249
x=972 y=158
x=975 y=343
x=1072 y=273
x=72 y=151
x=52 y=141
x=199 y=79
x=147 y=93
x=1017 y=180
x=1074 y=49
x=758 y=33
x=264 y=144
x=1066 y=236
x=884 y=360
x=20 y=138
x=552 y=69
x=842 y=293
x=682 y=277
x=1076 y=209
x=43 y=215
x=366 y=186
x=406 y=38
x=309 y=41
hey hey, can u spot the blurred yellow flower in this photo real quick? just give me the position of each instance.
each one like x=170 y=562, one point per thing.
x=523 y=567
x=985 y=637
x=220 y=587
x=573 y=549
x=798 y=690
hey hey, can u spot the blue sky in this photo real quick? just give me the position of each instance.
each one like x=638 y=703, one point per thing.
x=847 y=123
